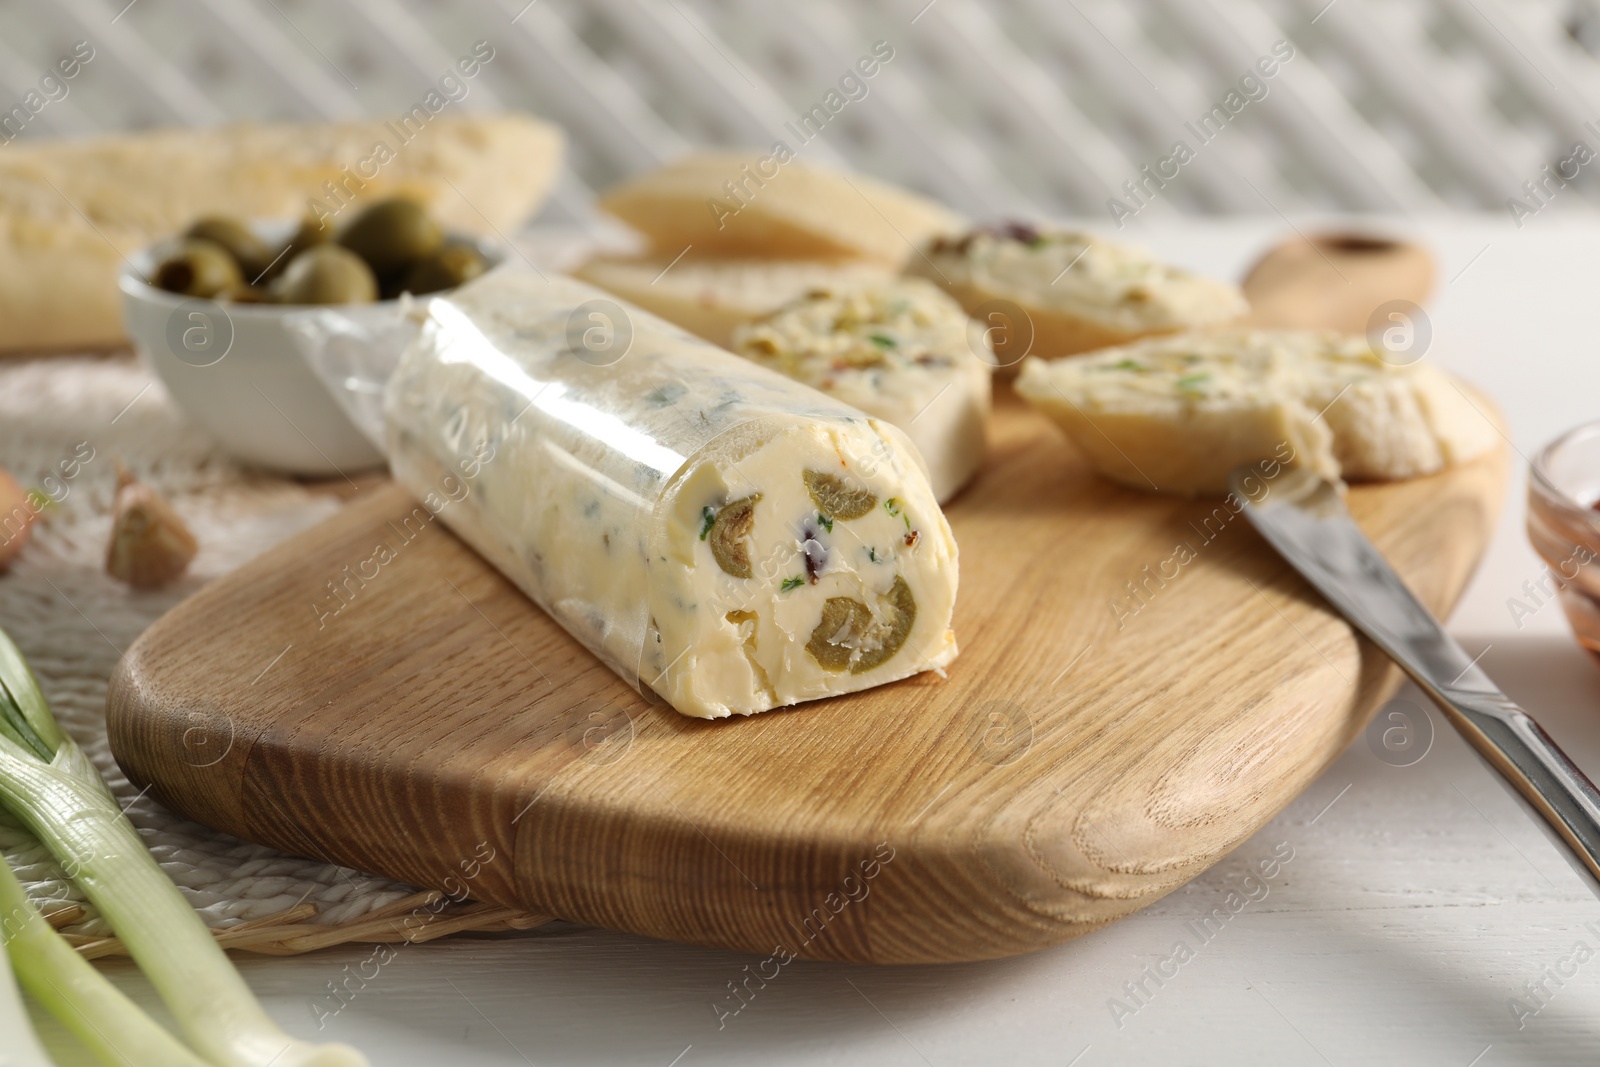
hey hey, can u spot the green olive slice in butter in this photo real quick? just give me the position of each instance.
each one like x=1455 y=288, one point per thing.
x=836 y=499
x=847 y=638
x=728 y=533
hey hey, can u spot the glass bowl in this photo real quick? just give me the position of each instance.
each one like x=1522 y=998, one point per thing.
x=1564 y=526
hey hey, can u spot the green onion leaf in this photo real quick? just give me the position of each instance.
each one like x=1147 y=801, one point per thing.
x=24 y=716
x=62 y=800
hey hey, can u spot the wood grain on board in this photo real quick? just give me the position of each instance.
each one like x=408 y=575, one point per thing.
x=1142 y=684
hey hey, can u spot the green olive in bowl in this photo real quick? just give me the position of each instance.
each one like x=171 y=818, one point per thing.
x=308 y=234
x=326 y=274
x=249 y=251
x=251 y=294
x=452 y=265
x=391 y=235
x=198 y=268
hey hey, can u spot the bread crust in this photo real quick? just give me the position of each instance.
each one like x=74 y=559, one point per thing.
x=71 y=211
x=1077 y=292
x=732 y=204
x=1055 y=333
x=1178 y=414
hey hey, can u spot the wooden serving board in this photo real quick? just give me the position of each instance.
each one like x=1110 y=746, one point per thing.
x=1090 y=750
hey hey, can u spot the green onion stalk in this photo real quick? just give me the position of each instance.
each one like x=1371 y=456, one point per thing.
x=49 y=784
x=68 y=987
x=22 y=1048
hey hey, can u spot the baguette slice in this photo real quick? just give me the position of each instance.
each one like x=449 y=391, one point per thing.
x=712 y=298
x=1177 y=414
x=1079 y=292
x=901 y=351
x=58 y=268
x=731 y=204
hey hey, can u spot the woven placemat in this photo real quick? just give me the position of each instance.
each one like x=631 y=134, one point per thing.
x=73 y=622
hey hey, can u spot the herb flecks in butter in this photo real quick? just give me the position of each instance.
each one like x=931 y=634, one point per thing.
x=662 y=395
x=815 y=553
x=843 y=341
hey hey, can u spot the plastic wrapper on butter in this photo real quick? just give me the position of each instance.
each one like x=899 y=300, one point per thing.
x=713 y=531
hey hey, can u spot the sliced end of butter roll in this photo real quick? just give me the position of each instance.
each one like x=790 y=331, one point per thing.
x=899 y=350
x=710 y=529
x=1078 y=292
x=1177 y=414
x=814 y=562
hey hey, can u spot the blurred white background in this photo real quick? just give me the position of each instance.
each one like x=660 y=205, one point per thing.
x=1011 y=107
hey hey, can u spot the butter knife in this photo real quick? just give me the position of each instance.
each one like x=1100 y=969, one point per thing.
x=1303 y=516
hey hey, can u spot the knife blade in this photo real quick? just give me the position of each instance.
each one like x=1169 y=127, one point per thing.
x=1303 y=516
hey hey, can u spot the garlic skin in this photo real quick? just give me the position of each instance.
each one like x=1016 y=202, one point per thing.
x=150 y=545
x=16 y=519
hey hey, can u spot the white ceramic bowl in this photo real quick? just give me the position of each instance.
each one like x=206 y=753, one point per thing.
x=236 y=370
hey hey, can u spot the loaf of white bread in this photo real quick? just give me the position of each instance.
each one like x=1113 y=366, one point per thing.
x=774 y=207
x=72 y=210
x=1177 y=414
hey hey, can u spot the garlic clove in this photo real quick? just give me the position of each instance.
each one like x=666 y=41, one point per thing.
x=17 y=513
x=150 y=544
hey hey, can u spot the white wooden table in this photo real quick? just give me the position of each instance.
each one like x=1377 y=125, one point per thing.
x=1418 y=902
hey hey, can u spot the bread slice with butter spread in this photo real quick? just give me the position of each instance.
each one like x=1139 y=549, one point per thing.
x=1177 y=414
x=1078 y=292
x=713 y=297
x=901 y=351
